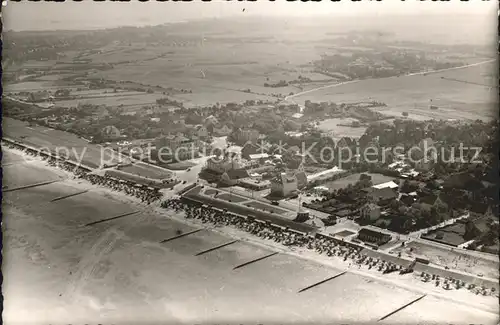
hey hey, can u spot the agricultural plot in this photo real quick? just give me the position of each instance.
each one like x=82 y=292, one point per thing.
x=218 y=70
x=29 y=86
x=412 y=93
x=115 y=100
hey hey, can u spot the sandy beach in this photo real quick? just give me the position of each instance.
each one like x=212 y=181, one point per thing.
x=58 y=270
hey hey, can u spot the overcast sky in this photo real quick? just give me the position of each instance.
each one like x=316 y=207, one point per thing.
x=88 y=14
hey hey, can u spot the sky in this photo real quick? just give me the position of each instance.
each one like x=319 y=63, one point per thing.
x=89 y=15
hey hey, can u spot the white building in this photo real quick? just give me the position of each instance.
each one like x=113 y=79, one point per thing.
x=284 y=185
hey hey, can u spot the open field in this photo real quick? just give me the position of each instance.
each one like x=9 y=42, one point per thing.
x=231 y=198
x=352 y=179
x=148 y=171
x=448 y=256
x=30 y=86
x=339 y=131
x=117 y=270
x=114 y=100
x=412 y=93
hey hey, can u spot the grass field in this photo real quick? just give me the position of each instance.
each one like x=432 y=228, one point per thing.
x=344 y=233
x=148 y=171
x=265 y=207
x=231 y=198
x=181 y=165
x=352 y=179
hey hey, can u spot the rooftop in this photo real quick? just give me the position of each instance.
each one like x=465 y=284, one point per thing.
x=237 y=173
x=390 y=184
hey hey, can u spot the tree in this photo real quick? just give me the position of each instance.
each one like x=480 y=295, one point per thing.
x=471 y=231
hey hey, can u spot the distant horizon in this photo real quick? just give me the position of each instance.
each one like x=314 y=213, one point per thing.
x=26 y=17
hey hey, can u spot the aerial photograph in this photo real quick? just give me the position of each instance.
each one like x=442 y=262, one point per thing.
x=235 y=162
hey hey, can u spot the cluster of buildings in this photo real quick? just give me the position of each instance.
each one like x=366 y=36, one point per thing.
x=256 y=172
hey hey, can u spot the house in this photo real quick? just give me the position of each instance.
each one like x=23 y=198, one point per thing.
x=390 y=184
x=370 y=211
x=407 y=199
x=177 y=146
x=284 y=185
x=246 y=135
x=427 y=202
x=382 y=196
x=373 y=237
x=110 y=132
x=232 y=176
x=201 y=131
x=346 y=142
x=365 y=140
x=222 y=131
x=224 y=163
x=258 y=157
x=250 y=149
x=211 y=120
x=363 y=177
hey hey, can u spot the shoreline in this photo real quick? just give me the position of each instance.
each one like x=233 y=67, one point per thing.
x=410 y=283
